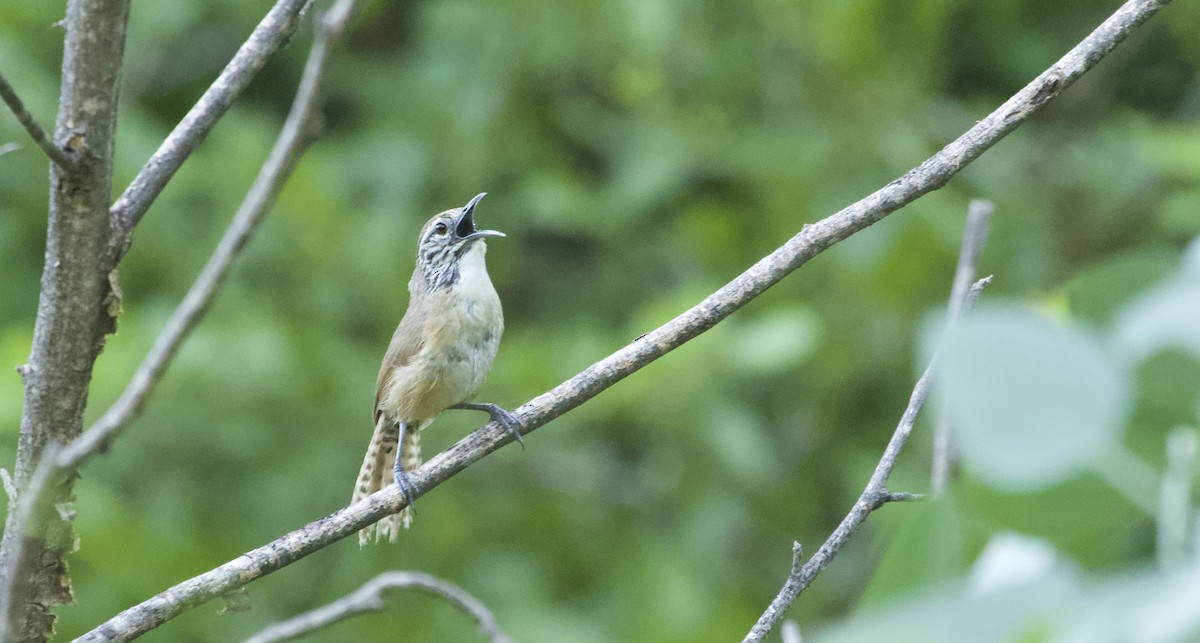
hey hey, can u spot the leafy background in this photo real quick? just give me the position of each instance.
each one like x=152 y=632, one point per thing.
x=639 y=155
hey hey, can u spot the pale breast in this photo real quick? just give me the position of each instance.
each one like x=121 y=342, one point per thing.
x=462 y=334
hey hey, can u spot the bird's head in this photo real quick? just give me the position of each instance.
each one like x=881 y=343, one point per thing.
x=446 y=239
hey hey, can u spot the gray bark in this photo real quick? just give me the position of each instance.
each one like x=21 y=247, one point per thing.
x=76 y=310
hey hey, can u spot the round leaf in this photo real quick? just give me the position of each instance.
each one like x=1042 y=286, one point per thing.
x=1033 y=402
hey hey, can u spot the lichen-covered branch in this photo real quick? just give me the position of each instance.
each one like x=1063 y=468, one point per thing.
x=369 y=598
x=930 y=175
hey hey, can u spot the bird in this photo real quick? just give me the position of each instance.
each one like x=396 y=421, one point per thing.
x=438 y=358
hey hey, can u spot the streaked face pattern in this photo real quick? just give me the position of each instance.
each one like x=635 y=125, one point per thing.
x=444 y=240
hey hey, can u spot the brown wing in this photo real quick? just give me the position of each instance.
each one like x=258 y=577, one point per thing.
x=406 y=341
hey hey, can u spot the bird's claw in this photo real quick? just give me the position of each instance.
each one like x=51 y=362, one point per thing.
x=405 y=484
x=498 y=414
x=509 y=422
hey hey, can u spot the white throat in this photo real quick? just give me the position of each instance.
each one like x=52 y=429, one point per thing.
x=472 y=269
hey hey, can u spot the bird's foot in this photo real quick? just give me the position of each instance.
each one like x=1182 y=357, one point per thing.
x=405 y=483
x=498 y=414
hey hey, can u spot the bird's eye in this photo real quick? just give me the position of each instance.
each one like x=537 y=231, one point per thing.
x=441 y=228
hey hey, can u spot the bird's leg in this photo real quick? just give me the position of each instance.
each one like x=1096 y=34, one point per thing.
x=506 y=419
x=402 y=480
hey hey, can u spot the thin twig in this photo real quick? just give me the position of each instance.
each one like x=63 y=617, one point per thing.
x=9 y=147
x=369 y=598
x=874 y=496
x=292 y=142
x=276 y=27
x=31 y=125
x=979 y=212
x=932 y=174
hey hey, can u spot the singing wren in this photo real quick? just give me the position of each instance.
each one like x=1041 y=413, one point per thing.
x=439 y=356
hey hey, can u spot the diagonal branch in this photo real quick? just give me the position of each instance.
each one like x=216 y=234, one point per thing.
x=31 y=126
x=873 y=497
x=979 y=212
x=293 y=140
x=276 y=27
x=369 y=598
x=932 y=174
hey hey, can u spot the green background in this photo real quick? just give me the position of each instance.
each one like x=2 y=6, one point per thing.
x=639 y=154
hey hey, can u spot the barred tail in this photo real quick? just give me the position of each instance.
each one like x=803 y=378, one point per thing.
x=377 y=473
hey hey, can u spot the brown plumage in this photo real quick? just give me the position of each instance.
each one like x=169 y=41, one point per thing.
x=439 y=355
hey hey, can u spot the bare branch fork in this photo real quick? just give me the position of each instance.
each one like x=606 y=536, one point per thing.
x=293 y=140
x=369 y=598
x=274 y=30
x=31 y=125
x=51 y=468
x=932 y=174
x=873 y=497
x=74 y=313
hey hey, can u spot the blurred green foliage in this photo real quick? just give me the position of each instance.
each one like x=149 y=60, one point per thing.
x=1036 y=403
x=639 y=154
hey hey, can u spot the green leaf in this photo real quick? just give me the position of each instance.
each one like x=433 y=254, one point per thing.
x=1010 y=560
x=1033 y=402
x=1166 y=317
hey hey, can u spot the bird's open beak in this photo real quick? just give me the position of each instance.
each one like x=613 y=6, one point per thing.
x=465 y=228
